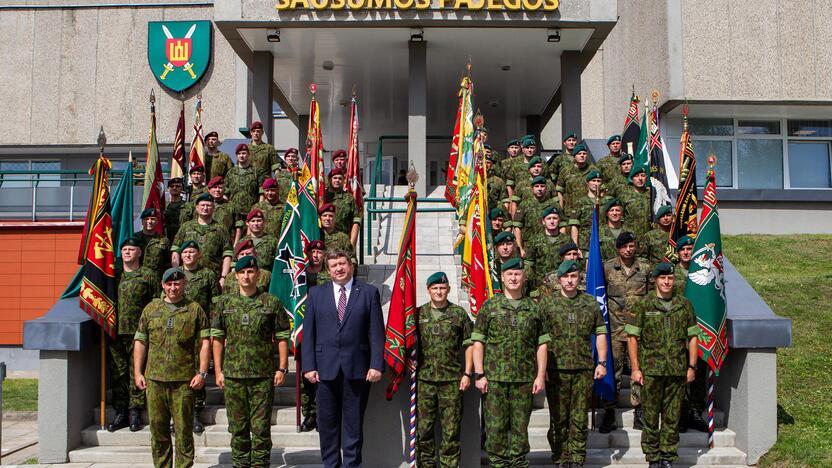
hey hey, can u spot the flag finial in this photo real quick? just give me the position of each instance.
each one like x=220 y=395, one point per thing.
x=654 y=96
x=313 y=88
x=102 y=140
x=412 y=175
x=685 y=115
x=711 y=160
x=354 y=91
x=152 y=96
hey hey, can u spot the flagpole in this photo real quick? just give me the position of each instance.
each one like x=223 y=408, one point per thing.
x=711 y=382
x=102 y=140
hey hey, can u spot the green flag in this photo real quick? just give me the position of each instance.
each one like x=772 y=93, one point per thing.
x=706 y=281
x=642 y=156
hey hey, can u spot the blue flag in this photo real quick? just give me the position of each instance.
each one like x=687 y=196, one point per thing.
x=597 y=287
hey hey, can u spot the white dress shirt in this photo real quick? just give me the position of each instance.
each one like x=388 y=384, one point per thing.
x=336 y=289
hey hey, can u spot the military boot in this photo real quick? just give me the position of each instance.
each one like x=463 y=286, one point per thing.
x=309 y=424
x=198 y=427
x=655 y=464
x=666 y=464
x=696 y=422
x=118 y=422
x=638 y=418
x=135 y=420
x=608 y=423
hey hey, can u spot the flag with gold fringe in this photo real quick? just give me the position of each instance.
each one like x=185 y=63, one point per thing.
x=196 y=156
x=684 y=222
x=315 y=149
x=177 y=159
x=154 y=180
x=354 y=185
x=462 y=149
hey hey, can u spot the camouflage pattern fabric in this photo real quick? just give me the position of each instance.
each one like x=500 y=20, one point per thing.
x=637 y=211
x=156 y=251
x=284 y=183
x=264 y=158
x=607 y=237
x=217 y=164
x=438 y=401
x=580 y=214
x=308 y=407
x=173 y=210
x=617 y=185
x=662 y=396
x=346 y=213
x=272 y=216
x=608 y=165
x=664 y=329
x=233 y=287
x=202 y=286
x=226 y=215
x=572 y=181
x=165 y=401
x=265 y=247
x=321 y=277
x=249 y=406
x=681 y=274
x=125 y=394
x=338 y=240
x=653 y=245
x=572 y=322
x=497 y=192
x=242 y=186
x=509 y=407
x=523 y=189
x=551 y=285
x=696 y=392
x=213 y=239
x=558 y=163
x=443 y=336
x=542 y=253
x=620 y=356
x=622 y=289
x=515 y=169
x=568 y=393
x=135 y=290
x=527 y=217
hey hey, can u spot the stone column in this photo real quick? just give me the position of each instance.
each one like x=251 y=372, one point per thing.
x=533 y=127
x=417 y=112
x=262 y=92
x=303 y=126
x=570 y=91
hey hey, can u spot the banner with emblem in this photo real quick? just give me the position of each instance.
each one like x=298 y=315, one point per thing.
x=354 y=185
x=179 y=52
x=154 y=181
x=632 y=128
x=684 y=221
x=177 y=158
x=596 y=286
x=659 y=193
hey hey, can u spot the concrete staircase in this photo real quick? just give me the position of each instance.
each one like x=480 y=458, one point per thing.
x=435 y=235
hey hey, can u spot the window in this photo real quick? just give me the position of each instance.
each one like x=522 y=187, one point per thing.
x=760 y=163
x=809 y=165
x=711 y=127
x=23 y=180
x=758 y=127
x=810 y=128
x=724 y=165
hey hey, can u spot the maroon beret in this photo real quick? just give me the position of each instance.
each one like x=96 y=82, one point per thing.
x=290 y=150
x=315 y=245
x=243 y=245
x=212 y=134
x=240 y=147
x=254 y=213
x=339 y=154
x=215 y=181
x=336 y=171
x=256 y=124
x=327 y=207
x=269 y=183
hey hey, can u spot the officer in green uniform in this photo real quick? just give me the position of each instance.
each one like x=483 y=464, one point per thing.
x=224 y=211
x=573 y=319
x=663 y=352
x=265 y=245
x=316 y=273
x=628 y=278
x=516 y=169
x=684 y=249
x=212 y=237
x=573 y=177
x=444 y=331
x=217 y=162
x=540 y=248
x=198 y=186
x=248 y=326
x=497 y=191
x=550 y=284
x=497 y=217
x=523 y=187
x=332 y=237
x=137 y=286
x=613 y=226
x=167 y=335
x=527 y=218
x=509 y=354
x=271 y=206
x=347 y=218
x=174 y=206
x=618 y=183
x=156 y=246
x=580 y=213
x=242 y=183
x=564 y=158
x=608 y=165
x=636 y=200
x=339 y=161
x=653 y=245
x=263 y=155
x=505 y=248
x=286 y=177
x=241 y=249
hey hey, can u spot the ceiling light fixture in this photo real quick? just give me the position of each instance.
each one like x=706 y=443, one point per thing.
x=417 y=34
x=505 y=67
x=328 y=65
x=553 y=35
x=273 y=35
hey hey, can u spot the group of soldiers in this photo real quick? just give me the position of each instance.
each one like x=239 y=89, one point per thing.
x=193 y=295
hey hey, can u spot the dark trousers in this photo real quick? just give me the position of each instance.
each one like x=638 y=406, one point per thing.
x=341 y=405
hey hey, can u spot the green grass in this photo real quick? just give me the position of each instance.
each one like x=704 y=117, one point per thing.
x=793 y=274
x=31 y=461
x=20 y=395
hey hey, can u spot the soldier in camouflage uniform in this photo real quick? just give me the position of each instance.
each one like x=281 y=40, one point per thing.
x=263 y=155
x=512 y=150
x=663 y=353
x=684 y=249
x=653 y=245
x=242 y=249
x=265 y=245
x=509 y=353
x=550 y=284
x=316 y=273
x=516 y=169
x=580 y=213
x=613 y=214
x=540 y=248
x=608 y=165
x=636 y=200
x=156 y=246
x=497 y=191
x=564 y=158
x=573 y=177
x=249 y=325
x=505 y=248
x=497 y=217
x=198 y=186
x=242 y=184
x=332 y=237
x=617 y=185
x=628 y=278
x=167 y=335
x=217 y=162
x=285 y=177
x=527 y=218
x=174 y=207
x=347 y=217
x=224 y=212
x=573 y=318
x=137 y=286
x=271 y=206
x=213 y=239
x=444 y=331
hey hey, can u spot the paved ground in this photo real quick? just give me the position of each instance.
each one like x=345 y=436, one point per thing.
x=20 y=437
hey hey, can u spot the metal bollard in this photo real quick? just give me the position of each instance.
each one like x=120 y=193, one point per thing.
x=2 y=378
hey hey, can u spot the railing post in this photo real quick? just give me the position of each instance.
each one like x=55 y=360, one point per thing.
x=35 y=198
x=2 y=378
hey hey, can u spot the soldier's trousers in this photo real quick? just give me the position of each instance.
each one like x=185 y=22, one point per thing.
x=662 y=397
x=507 y=409
x=442 y=401
x=307 y=398
x=567 y=393
x=166 y=401
x=125 y=394
x=620 y=356
x=249 y=406
x=696 y=392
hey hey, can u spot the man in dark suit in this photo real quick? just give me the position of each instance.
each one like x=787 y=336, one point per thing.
x=342 y=351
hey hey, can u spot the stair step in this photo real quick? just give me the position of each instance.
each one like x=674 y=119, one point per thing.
x=634 y=456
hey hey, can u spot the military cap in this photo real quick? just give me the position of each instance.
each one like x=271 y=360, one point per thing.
x=245 y=262
x=533 y=161
x=578 y=148
x=339 y=154
x=437 y=278
x=132 y=241
x=570 y=135
x=567 y=247
x=611 y=203
x=173 y=274
x=624 y=157
x=148 y=213
x=241 y=147
x=539 y=180
x=254 y=213
x=198 y=168
x=336 y=171
x=212 y=134
x=204 y=197
x=502 y=237
x=624 y=238
x=593 y=174
x=663 y=210
x=547 y=211
x=514 y=142
x=497 y=213
x=316 y=245
x=216 y=180
x=269 y=183
x=663 y=268
x=176 y=180
x=489 y=156
x=256 y=124
x=515 y=263
x=613 y=138
x=636 y=170
x=486 y=146
x=683 y=241
x=527 y=141
x=290 y=151
x=243 y=245
x=326 y=208
x=568 y=266
x=188 y=244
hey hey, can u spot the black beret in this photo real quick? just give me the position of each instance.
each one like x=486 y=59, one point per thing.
x=567 y=247
x=624 y=238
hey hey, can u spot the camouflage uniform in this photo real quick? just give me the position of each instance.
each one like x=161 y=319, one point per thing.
x=337 y=240
x=681 y=274
x=264 y=158
x=156 y=251
x=173 y=211
x=265 y=247
x=202 y=287
x=622 y=290
x=558 y=163
x=580 y=215
x=514 y=169
x=550 y=285
x=653 y=245
x=170 y=332
x=250 y=325
x=443 y=336
x=572 y=324
x=272 y=216
x=135 y=290
x=664 y=329
x=542 y=254
x=346 y=213
x=194 y=193
x=217 y=164
x=213 y=240
x=242 y=185
x=607 y=237
x=617 y=185
x=511 y=332
x=528 y=216
x=284 y=178
x=572 y=182
x=523 y=189
x=608 y=165
x=637 y=212
x=232 y=286
x=226 y=214
x=497 y=192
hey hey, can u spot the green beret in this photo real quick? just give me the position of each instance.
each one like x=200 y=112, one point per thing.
x=148 y=213
x=578 y=148
x=204 y=197
x=489 y=156
x=247 y=261
x=608 y=205
x=663 y=210
x=568 y=267
x=570 y=135
x=515 y=263
x=567 y=247
x=547 y=211
x=132 y=241
x=437 y=278
x=497 y=213
x=527 y=141
x=173 y=274
x=624 y=238
x=636 y=170
x=663 y=268
x=502 y=237
x=593 y=174
x=613 y=138
x=683 y=241
x=625 y=157
x=533 y=161
x=539 y=180
x=514 y=142
x=188 y=244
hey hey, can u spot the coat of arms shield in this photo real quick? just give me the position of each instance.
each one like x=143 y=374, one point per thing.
x=179 y=52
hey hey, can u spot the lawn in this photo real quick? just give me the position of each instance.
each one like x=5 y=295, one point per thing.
x=20 y=395
x=793 y=274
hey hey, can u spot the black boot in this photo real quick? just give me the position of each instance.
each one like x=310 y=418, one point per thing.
x=135 y=420
x=309 y=424
x=696 y=422
x=638 y=418
x=666 y=464
x=198 y=427
x=119 y=421
x=608 y=423
x=655 y=464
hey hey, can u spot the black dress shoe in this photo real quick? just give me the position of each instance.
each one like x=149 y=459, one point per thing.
x=309 y=424
x=118 y=422
x=666 y=464
x=608 y=424
x=198 y=427
x=135 y=420
x=638 y=418
x=655 y=464
x=696 y=422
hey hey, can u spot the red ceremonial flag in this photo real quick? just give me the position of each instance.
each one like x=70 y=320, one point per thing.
x=177 y=159
x=401 y=318
x=354 y=185
x=476 y=265
x=315 y=149
x=197 y=153
x=450 y=180
x=154 y=180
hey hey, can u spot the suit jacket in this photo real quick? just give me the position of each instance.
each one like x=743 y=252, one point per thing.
x=353 y=346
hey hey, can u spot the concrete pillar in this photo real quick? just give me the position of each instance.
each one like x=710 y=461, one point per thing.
x=570 y=92
x=242 y=99
x=417 y=113
x=533 y=127
x=303 y=126
x=262 y=96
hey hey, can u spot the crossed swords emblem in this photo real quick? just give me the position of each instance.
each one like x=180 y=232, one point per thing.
x=188 y=66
